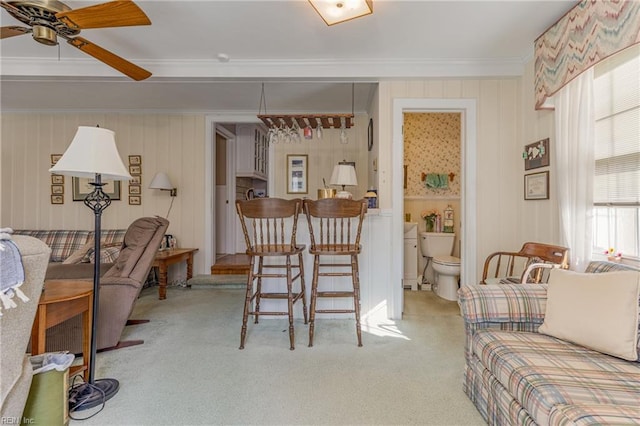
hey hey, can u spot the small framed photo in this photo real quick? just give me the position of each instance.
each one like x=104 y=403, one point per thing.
x=55 y=158
x=57 y=180
x=135 y=200
x=536 y=154
x=57 y=199
x=82 y=187
x=297 y=174
x=536 y=186
x=135 y=170
x=136 y=180
x=135 y=160
x=134 y=190
x=57 y=189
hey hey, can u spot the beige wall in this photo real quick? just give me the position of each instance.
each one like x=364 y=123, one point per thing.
x=172 y=143
x=322 y=156
x=175 y=143
x=505 y=123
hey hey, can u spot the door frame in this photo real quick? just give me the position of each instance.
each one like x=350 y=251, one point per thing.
x=211 y=126
x=468 y=171
x=230 y=242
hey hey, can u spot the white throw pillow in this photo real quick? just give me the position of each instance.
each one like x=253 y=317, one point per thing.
x=597 y=311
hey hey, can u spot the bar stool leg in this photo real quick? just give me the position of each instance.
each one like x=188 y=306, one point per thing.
x=290 y=303
x=356 y=295
x=302 y=288
x=247 y=302
x=258 y=289
x=314 y=298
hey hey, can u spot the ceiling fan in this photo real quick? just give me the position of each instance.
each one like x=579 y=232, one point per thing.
x=50 y=19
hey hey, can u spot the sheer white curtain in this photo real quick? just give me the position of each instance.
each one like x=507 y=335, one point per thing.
x=574 y=165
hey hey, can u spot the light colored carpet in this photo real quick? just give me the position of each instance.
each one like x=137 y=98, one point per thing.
x=190 y=371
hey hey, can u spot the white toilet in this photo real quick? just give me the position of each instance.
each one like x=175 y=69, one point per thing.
x=438 y=246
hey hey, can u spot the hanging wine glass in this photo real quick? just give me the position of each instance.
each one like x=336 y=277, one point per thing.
x=295 y=133
x=272 y=135
x=344 y=139
x=308 y=132
x=319 y=131
x=282 y=133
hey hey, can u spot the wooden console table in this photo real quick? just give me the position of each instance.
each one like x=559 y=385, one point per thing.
x=165 y=258
x=61 y=300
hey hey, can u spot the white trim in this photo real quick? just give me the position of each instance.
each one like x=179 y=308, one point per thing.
x=293 y=68
x=230 y=242
x=211 y=122
x=468 y=205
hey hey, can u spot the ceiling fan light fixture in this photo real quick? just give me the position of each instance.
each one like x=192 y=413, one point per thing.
x=337 y=11
x=45 y=35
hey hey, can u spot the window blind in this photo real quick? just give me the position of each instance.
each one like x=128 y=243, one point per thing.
x=617 y=111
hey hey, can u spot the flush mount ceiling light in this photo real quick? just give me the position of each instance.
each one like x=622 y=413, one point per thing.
x=336 y=11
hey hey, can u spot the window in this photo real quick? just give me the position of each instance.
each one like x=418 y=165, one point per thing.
x=617 y=154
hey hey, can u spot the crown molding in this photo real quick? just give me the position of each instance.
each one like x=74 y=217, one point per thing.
x=239 y=69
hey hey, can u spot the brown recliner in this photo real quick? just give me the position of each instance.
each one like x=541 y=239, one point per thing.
x=119 y=289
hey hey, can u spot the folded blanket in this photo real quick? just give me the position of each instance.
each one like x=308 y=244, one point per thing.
x=11 y=271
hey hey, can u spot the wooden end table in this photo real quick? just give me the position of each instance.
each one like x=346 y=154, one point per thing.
x=165 y=258
x=61 y=300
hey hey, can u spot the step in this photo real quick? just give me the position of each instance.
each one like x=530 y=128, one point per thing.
x=229 y=269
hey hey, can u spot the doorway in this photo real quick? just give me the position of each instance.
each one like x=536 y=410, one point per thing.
x=432 y=188
x=466 y=107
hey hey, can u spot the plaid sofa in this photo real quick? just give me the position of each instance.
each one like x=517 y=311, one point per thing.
x=64 y=243
x=514 y=375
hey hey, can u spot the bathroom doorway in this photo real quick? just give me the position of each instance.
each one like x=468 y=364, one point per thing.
x=466 y=219
x=432 y=186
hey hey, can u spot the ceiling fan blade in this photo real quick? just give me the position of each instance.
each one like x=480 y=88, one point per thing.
x=111 y=59
x=12 y=9
x=6 y=32
x=112 y=14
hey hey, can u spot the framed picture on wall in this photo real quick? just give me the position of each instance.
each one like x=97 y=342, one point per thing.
x=536 y=154
x=297 y=174
x=82 y=187
x=536 y=186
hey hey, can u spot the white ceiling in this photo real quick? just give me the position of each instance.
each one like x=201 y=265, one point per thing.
x=307 y=66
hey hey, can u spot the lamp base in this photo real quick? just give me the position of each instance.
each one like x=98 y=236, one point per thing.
x=87 y=395
x=344 y=194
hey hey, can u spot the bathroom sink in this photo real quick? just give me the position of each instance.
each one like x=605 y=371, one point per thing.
x=409 y=225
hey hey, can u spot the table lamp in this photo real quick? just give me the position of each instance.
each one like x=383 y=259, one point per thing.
x=93 y=154
x=344 y=174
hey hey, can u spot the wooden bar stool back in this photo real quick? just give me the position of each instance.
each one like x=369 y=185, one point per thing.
x=335 y=225
x=269 y=226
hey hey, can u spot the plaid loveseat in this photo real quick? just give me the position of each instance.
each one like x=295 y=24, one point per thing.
x=515 y=375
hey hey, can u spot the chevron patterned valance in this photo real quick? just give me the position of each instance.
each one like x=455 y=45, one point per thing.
x=587 y=34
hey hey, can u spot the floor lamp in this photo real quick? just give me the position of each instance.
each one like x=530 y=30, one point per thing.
x=93 y=154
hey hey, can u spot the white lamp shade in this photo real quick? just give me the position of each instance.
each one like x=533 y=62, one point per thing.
x=344 y=174
x=92 y=151
x=336 y=11
x=161 y=181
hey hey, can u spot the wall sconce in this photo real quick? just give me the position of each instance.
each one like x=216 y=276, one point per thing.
x=161 y=181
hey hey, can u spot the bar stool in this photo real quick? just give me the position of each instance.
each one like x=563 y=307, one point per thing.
x=331 y=228
x=269 y=226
